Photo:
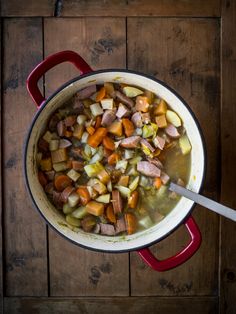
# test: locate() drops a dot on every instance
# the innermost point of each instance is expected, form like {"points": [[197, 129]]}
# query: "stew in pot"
{"points": [[107, 156]]}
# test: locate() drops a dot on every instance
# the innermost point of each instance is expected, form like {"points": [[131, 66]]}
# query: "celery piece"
{"points": [[94, 169], [173, 118], [134, 184], [131, 91], [73, 199], [74, 175], [105, 198], [124, 191], [67, 209], [79, 212], [185, 145], [145, 222], [73, 221], [96, 109]]}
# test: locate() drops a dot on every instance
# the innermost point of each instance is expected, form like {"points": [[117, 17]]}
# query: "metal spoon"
{"points": [[204, 201]]}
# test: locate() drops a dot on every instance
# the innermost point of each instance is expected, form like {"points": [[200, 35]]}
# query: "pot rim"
{"points": [[75, 79]]}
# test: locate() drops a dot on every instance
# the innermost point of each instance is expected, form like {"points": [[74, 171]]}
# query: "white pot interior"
{"points": [[118, 243]]}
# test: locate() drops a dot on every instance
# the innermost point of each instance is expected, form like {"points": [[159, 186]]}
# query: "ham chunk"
{"points": [[86, 92], [130, 142], [107, 229], [159, 142], [155, 161], [122, 111], [137, 119], [120, 225], [126, 100], [148, 169], [172, 131], [117, 202], [108, 117], [147, 144]]}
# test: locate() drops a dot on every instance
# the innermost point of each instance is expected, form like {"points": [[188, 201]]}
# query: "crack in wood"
{"points": [[58, 8]]}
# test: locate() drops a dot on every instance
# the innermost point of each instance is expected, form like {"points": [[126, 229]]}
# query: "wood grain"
{"points": [[81, 272], [129, 305], [122, 8], [27, 8], [185, 54], [1, 201], [228, 155], [25, 232]]}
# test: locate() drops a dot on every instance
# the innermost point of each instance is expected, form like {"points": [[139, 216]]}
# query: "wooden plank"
{"points": [[27, 8], [185, 54], [228, 154], [25, 232], [129, 305], [1, 203], [200, 8], [103, 46]]}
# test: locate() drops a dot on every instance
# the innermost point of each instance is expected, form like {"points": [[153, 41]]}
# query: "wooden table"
{"points": [[191, 46]]}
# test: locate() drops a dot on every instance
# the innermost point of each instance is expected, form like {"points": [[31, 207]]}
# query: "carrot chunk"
{"points": [[101, 94], [133, 200], [113, 158], [131, 223], [84, 195], [95, 208], [61, 182], [96, 139], [108, 143], [128, 127], [110, 214], [90, 130], [157, 182]]}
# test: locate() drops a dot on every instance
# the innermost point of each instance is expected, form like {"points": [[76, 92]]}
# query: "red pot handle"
{"points": [[47, 64], [180, 257]]}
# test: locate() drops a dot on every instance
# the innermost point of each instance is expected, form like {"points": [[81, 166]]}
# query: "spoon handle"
{"points": [[204, 201]]}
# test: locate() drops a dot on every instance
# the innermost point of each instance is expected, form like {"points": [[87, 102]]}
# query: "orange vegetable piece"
{"points": [[113, 158], [61, 182], [110, 214], [84, 195], [142, 104], [95, 208], [124, 180], [116, 128], [46, 164], [90, 130], [98, 122], [128, 127], [131, 223], [161, 108], [103, 176], [157, 183], [42, 178], [133, 199], [96, 139], [101, 94], [107, 152], [108, 143], [78, 131], [68, 133], [161, 121]]}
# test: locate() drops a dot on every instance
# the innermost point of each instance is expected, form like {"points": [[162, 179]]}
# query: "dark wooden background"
{"points": [[192, 46]]}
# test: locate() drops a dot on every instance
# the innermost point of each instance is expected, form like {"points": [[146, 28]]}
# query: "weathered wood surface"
{"points": [[130, 305], [1, 203], [82, 8], [185, 54], [83, 272], [228, 156], [24, 232]]}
